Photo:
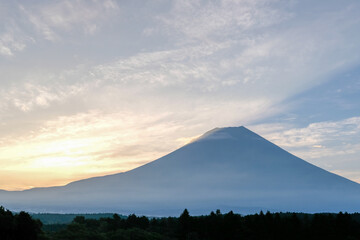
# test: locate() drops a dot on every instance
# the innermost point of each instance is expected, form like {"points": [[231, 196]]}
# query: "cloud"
{"points": [[332, 145], [5, 50], [316, 134], [176, 67], [12, 39], [51, 19], [30, 95], [220, 19]]}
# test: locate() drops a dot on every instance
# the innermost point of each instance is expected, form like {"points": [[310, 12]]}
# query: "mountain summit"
{"points": [[226, 168]]}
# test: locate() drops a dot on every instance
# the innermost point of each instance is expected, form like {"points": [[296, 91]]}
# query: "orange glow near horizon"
{"points": [[81, 146]]}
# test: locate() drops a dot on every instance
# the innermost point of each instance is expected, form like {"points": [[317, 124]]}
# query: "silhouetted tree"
{"points": [[184, 221], [26, 227]]}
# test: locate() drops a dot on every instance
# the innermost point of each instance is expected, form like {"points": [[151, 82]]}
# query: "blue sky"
{"points": [[96, 87]]}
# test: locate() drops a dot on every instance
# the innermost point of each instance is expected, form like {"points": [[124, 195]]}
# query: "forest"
{"points": [[216, 225]]}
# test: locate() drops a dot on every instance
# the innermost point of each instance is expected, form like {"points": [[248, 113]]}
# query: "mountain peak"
{"points": [[234, 133]]}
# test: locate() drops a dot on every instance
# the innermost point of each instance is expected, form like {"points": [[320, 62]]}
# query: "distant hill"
{"points": [[57, 218], [227, 168]]}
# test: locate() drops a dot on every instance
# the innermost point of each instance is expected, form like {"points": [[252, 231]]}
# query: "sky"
{"points": [[90, 88]]}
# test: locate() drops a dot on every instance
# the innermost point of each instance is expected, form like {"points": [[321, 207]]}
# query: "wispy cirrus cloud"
{"points": [[12, 37], [52, 20], [28, 96], [221, 19], [66, 16], [8, 44]]}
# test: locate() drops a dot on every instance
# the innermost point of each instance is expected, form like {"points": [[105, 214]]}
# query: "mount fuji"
{"points": [[226, 168]]}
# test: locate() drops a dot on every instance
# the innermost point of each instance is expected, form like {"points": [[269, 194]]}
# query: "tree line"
{"points": [[19, 226], [216, 225]]}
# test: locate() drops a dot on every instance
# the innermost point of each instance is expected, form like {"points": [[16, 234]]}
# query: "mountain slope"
{"points": [[227, 168]]}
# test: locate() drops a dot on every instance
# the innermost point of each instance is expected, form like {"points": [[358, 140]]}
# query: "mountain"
{"points": [[227, 168]]}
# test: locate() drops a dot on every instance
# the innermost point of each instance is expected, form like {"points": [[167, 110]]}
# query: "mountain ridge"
{"points": [[230, 168]]}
